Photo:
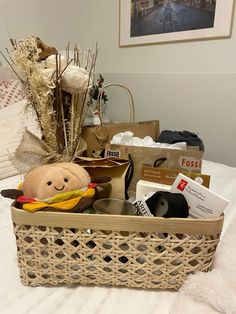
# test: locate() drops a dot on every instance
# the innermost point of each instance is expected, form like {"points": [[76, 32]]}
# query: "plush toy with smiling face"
{"points": [[62, 186], [48, 180]]}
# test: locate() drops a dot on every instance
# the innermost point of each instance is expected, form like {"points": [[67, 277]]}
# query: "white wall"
{"points": [[186, 85]]}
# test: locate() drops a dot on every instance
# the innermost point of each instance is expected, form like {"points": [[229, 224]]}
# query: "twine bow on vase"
{"points": [[33, 152]]}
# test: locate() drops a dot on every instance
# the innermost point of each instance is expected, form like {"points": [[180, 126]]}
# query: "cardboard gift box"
{"points": [[188, 159]]}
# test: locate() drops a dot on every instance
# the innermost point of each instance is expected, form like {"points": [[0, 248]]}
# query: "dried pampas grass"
{"points": [[57, 88]]}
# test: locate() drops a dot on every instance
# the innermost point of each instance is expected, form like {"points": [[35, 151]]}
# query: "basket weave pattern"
{"points": [[58, 255]]}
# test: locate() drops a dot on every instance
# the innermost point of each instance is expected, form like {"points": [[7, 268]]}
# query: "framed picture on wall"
{"points": [[162, 21]]}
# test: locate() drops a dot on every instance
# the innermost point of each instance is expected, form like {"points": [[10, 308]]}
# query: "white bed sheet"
{"points": [[16, 298]]}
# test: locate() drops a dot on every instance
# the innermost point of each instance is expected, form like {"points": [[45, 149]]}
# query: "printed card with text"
{"points": [[202, 202]]}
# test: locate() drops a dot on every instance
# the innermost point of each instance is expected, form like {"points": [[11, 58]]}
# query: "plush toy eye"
{"points": [[66, 180], [49, 183]]}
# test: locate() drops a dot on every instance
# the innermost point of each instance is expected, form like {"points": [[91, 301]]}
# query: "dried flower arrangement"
{"points": [[59, 90]]}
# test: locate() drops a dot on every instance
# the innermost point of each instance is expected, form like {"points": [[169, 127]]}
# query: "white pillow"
{"points": [[13, 120]]}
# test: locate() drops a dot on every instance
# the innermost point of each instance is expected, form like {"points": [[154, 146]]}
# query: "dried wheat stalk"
{"points": [[60, 107]]}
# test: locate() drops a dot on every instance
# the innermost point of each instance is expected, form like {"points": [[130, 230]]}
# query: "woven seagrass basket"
{"points": [[143, 252]]}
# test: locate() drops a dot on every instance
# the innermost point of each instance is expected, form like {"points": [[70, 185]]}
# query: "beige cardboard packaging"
{"points": [[143, 188], [189, 160]]}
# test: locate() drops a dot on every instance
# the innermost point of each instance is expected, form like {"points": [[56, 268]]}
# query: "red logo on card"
{"points": [[182, 185]]}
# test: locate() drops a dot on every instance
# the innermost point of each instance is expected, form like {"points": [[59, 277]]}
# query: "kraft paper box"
{"points": [[112, 167], [202, 202], [189, 160]]}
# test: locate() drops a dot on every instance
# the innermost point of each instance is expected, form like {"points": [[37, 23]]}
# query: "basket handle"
{"points": [[101, 131], [131, 100]]}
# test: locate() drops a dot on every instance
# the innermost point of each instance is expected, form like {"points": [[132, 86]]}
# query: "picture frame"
{"points": [[164, 21]]}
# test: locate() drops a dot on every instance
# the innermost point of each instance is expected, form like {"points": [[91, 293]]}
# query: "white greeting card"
{"points": [[202, 202]]}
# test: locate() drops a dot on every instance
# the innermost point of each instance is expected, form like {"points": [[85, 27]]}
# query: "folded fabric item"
{"points": [[171, 137]]}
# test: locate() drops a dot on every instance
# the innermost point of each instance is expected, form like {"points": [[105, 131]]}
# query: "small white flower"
{"points": [[48, 77], [75, 79], [50, 62]]}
